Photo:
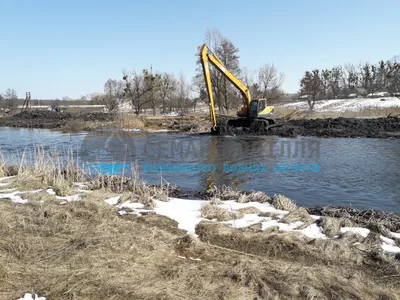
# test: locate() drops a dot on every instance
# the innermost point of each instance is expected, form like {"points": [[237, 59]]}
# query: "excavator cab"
{"points": [[256, 107]]}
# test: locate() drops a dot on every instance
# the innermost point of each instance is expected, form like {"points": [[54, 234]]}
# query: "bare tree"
{"points": [[270, 82], [113, 94], [312, 86], [137, 86], [392, 81], [166, 88], [182, 94], [349, 78], [224, 93], [248, 78], [365, 77], [229, 55], [10, 97]]}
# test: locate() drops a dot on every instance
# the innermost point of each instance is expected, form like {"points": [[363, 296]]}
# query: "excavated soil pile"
{"points": [[49, 119], [373, 219], [341, 127], [337, 127]]}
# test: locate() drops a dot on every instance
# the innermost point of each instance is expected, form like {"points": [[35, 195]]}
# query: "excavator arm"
{"points": [[206, 57]]}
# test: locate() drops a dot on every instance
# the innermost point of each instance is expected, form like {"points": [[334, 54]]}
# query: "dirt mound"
{"points": [[375, 220], [299, 214], [49, 119], [330, 127], [340, 127]]}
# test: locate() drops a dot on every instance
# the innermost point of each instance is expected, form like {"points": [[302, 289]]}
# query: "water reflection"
{"points": [[362, 172]]}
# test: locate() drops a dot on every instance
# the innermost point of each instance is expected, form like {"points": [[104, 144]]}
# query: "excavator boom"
{"points": [[206, 57], [254, 113]]}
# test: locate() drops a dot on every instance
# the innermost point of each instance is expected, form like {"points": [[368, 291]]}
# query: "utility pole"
{"points": [[26, 102]]}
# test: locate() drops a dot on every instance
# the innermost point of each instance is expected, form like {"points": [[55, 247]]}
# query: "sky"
{"points": [[70, 48]]}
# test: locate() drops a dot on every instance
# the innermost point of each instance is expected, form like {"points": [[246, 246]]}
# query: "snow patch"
{"points": [[70, 198], [390, 248], [191, 258], [185, 212], [7, 190], [131, 129], [387, 241], [395, 235], [14, 197], [130, 205], [29, 296], [188, 215], [342, 105], [50, 192], [6, 177], [113, 200], [358, 230]]}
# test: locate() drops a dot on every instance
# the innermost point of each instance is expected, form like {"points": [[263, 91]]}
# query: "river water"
{"points": [[363, 173]]}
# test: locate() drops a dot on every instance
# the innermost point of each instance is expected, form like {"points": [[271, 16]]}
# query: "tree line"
{"points": [[351, 80], [159, 92], [165, 93]]}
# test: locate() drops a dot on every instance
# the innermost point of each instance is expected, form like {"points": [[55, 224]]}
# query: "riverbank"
{"points": [[88, 121], [66, 235], [388, 127]]}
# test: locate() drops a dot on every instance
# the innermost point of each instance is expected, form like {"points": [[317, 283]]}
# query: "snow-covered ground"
{"points": [[342, 105], [188, 214]]}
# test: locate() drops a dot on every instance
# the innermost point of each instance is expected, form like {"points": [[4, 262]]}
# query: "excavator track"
{"points": [[255, 126]]}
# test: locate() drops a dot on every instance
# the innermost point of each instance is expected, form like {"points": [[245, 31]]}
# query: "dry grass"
{"points": [[299, 214], [288, 113], [331, 226], [249, 210], [214, 212], [135, 189], [42, 170], [77, 125], [229, 193], [260, 197], [84, 250], [283, 203], [129, 121], [296, 267]]}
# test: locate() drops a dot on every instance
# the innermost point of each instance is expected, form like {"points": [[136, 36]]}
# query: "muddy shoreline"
{"points": [[331, 127]]}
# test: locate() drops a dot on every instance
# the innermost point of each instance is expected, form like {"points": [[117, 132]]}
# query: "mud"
{"points": [[373, 219], [332, 127], [50, 120]]}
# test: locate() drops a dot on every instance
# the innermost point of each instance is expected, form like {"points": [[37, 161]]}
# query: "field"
{"points": [[346, 108]]}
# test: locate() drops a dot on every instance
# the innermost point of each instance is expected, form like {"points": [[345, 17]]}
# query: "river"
{"points": [[363, 173]]}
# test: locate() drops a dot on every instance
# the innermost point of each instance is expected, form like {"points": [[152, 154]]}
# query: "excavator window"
{"points": [[253, 109], [261, 105]]}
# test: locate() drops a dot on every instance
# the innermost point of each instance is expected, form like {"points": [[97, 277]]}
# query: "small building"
{"points": [[357, 93], [303, 97]]}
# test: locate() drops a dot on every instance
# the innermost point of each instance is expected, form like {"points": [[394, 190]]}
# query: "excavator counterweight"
{"points": [[254, 114]]}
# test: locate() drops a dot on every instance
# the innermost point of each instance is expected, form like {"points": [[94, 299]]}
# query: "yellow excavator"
{"points": [[254, 114]]}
